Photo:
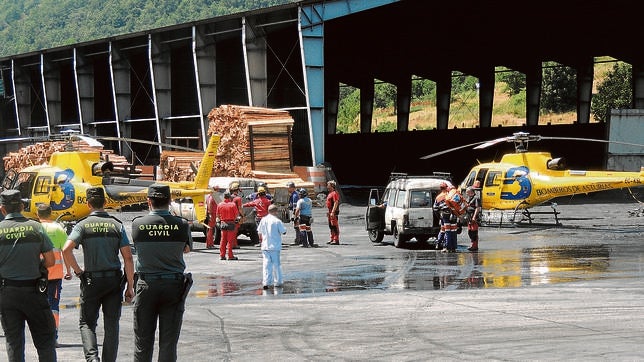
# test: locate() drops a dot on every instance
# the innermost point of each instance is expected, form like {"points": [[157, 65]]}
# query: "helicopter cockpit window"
{"points": [[9, 178], [42, 185], [470, 178], [24, 183], [492, 178]]}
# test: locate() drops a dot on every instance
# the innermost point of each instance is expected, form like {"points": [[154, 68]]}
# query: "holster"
{"points": [[187, 284], [41, 286]]}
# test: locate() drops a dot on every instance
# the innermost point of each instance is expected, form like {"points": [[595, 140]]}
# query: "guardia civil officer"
{"points": [[160, 239], [22, 241], [102, 237]]}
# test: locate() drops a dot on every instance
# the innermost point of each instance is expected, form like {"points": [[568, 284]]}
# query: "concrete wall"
{"points": [[626, 125]]}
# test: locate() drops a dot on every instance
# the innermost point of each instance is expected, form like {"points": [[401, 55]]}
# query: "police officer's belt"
{"points": [[19, 283], [172, 276], [103, 274]]}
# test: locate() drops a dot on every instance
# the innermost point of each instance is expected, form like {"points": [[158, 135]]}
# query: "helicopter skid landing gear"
{"points": [[529, 215]]}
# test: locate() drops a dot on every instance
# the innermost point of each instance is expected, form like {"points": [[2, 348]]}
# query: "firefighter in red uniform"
{"points": [[227, 217], [333, 205], [261, 204]]}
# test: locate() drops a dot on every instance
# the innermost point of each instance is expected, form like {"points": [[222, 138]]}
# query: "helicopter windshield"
{"points": [[9, 179], [24, 183]]}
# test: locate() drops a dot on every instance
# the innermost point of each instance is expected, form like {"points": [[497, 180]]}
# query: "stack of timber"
{"points": [[255, 143], [252, 138], [178, 166], [39, 153]]}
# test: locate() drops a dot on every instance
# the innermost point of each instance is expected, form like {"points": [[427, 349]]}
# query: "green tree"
{"points": [[514, 81], [614, 92], [463, 83], [559, 88], [348, 110], [384, 95], [422, 89]]}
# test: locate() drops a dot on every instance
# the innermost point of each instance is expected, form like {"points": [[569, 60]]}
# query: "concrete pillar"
{"points": [[332, 96], [585, 73], [366, 105], [486, 98], [403, 103], [533, 78], [443, 100]]}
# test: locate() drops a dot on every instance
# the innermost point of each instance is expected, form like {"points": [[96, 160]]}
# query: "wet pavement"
{"points": [[535, 292]]}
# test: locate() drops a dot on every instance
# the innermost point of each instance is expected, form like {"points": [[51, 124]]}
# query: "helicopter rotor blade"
{"points": [[487, 144], [591, 140], [135, 140], [92, 142], [451, 150]]}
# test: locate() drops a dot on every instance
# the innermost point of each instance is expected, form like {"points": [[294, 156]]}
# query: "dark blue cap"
{"points": [[159, 191]]}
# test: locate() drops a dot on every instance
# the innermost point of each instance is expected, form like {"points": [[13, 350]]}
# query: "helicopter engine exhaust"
{"points": [[557, 164], [102, 168]]}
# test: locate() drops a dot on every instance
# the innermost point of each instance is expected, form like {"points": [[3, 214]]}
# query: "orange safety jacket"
{"points": [[56, 271]]}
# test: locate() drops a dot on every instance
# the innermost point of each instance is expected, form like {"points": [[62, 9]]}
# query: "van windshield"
{"points": [[420, 198]]}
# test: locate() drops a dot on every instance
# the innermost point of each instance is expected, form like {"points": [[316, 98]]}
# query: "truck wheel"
{"points": [[376, 236]]}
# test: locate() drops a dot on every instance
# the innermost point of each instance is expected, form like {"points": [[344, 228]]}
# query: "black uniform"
{"points": [[21, 242], [102, 237], [161, 288]]}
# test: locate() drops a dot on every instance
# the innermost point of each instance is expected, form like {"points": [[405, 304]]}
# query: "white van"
{"points": [[405, 209]]}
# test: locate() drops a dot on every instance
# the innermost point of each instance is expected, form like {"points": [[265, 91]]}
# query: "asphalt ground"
{"points": [[535, 292]]}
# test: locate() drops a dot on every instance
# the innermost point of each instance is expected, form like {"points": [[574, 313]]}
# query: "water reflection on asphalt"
{"points": [[433, 270]]}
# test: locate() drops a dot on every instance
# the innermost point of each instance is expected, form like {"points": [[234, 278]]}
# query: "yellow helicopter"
{"points": [[62, 183], [523, 179]]}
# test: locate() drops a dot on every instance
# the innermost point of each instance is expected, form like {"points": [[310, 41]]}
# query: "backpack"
{"points": [[456, 202]]}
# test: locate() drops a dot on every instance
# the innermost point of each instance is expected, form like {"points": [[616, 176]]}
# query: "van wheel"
{"points": [[399, 240], [376, 236]]}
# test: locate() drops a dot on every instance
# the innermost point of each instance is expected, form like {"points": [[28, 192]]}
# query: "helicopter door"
{"points": [[492, 185], [375, 217], [480, 177]]}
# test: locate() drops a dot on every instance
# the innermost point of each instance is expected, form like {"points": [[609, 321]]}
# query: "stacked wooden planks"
{"points": [[252, 138], [178, 166]]}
